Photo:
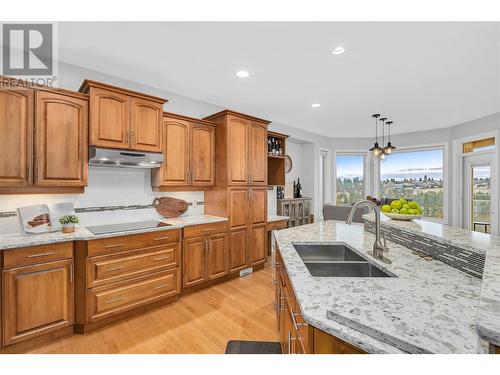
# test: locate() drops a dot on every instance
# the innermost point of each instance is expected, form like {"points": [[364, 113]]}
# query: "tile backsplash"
{"points": [[112, 194]]}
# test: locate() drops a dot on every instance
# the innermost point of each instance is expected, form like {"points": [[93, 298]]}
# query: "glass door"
{"points": [[478, 208]]}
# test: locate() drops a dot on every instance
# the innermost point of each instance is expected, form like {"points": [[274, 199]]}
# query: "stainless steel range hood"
{"points": [[109, 157]]}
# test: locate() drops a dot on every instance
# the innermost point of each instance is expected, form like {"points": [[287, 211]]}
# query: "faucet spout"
{"points": [[379, 246]]}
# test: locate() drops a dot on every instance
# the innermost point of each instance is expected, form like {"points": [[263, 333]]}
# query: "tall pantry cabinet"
{"points": [[240, 192]]}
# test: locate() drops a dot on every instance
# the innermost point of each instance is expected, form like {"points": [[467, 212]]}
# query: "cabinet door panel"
{"points": [[194, 266], [238, 207], [237, 164], [175, 141], [258, 244], [237, 249], [16, 129], [257, 160], [217, 256], [37, 300], [202, 155], [258, 205], [61, 140], [146, 118], [110, 119]]}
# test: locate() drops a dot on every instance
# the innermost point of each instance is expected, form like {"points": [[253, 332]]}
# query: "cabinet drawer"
{"points": [[205, 229], [112, 301], [277, 225], [107, 269], [27, 256], [131, 242]]}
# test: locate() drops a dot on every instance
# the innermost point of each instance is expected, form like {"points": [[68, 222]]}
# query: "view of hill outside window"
{"points": [[350, 178], [481, 198], [415, 175]]}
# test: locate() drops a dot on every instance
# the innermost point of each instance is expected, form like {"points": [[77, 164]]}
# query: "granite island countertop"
{"points": [[488, 316], [428, 308], [15, 240]]}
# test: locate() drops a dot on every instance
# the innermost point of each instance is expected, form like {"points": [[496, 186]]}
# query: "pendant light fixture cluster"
{"points": [[382, 152]]}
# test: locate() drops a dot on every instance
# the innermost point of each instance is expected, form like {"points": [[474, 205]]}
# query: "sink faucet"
{"points": [[379, 246]]}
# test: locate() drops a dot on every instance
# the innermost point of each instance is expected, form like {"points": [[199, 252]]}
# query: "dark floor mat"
{"points": [[252, 347]]}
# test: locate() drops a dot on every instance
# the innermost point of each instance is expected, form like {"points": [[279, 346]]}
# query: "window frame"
{"points": [[366, 170], [446, 171]]}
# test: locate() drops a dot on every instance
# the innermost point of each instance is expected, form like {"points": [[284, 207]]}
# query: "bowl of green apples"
{"points": [[401, 209]]}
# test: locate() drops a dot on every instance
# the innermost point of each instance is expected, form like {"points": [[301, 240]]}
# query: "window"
{"points": [[487, 144], [350, 174], [416, 175]]}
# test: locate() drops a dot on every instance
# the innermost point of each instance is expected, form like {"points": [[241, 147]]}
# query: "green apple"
{"points": [[413, 211], [406, 205], [403, 201], [386, 208], [395, 211], [413, 204], [404, 211], [396, 205]]}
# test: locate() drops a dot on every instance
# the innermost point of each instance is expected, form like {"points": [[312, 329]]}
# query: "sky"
{"points": [[399, 165]]}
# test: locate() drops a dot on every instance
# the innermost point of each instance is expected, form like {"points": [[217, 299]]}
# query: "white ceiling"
{"points": [[421, 75]]}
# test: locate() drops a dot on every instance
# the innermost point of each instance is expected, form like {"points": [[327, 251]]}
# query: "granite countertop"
{"points": [[488, 316], [14, 240], [428, 308], [272, 218]]}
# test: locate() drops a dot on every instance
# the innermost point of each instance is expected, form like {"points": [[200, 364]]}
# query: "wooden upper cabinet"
{"points": [[124, 119], [145, 124], [37, 300], [16, 131], [237, 143], [61, 140], [188, 145], [109, 119], [257, 158], [202, 158], [175, 169]]}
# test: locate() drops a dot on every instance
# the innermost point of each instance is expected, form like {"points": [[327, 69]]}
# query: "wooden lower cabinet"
{"points": [[258, 244], [118, 275], [238, 239], [37, 300], [115, 299], [296, 336], [205, 257]]}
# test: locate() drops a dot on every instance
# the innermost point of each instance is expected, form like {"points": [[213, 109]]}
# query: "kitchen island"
{"points": [[426, 307]]}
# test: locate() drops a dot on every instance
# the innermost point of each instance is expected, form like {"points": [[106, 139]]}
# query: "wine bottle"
{"points": [[299, 189]]}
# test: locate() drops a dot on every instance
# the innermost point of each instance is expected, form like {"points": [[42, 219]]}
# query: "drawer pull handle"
{"points": [[160, 258], [114, 300], [40, 255], [160, 286], [114, 269], [116, 245], [162, 238], [297, 325]]}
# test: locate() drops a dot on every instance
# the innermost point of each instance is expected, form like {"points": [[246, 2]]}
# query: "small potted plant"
{"points": [[68, 223]]}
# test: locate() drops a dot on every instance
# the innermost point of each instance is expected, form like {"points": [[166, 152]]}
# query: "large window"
{"points": [[417, 175], [350, 174]]}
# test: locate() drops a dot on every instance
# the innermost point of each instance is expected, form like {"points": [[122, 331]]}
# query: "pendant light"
{"points": [[376, 149], [389, 148]]}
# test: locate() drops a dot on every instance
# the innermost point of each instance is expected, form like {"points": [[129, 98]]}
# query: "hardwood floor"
{"points": [[201, 322]]}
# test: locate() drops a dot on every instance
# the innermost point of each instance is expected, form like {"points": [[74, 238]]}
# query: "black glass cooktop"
{"points": [[125, 227]]}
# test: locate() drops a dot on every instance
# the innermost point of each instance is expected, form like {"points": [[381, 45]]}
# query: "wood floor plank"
{"points": [[200, 322]]}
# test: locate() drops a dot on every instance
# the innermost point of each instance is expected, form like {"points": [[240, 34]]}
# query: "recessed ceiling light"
{"points": [[339, 50], [315, 105], [242, 74]]}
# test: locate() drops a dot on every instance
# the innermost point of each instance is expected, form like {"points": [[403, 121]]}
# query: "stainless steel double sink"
{"points": [[336, 260]]}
